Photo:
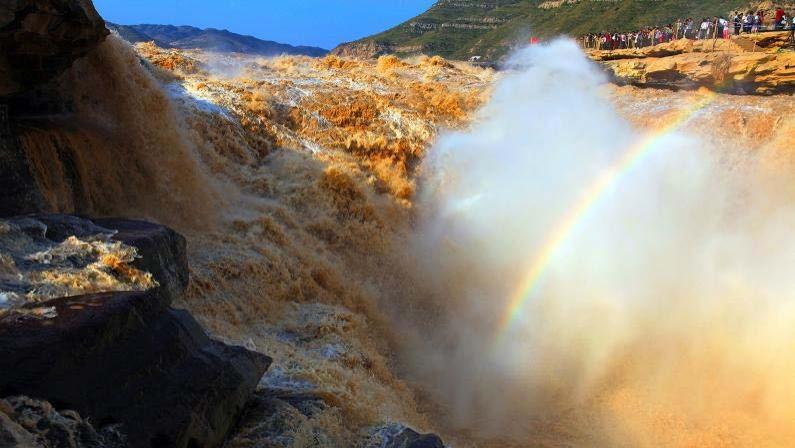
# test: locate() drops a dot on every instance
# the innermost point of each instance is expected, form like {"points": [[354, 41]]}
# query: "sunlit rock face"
{"points": [[748, 64], [40, 39]]}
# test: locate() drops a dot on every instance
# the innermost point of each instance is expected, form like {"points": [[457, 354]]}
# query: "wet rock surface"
{"points": [[162, 251], [396, 435], [126, 357], [29, 423], [20, 195], [271, 418], [41, 39], [49, 256]]}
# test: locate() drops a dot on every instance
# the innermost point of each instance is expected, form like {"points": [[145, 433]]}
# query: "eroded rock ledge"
{"points": [[758, 64], [128, 358]]}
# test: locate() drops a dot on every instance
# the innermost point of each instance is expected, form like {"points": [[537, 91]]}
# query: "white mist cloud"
{"points": [[665, 317]]}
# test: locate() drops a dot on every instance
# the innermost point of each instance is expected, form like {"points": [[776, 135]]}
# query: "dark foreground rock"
{"points": [[30, 423], [396, 435], [128, 358], [271, 418], [163, 251], [41, 39]]}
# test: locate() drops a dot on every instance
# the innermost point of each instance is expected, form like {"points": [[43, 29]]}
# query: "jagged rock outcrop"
{"points": [[272, 415], [739, 65], [41, 39], [128, 358], [363, 50], [29, 423], [396, 435], [743, 73]]}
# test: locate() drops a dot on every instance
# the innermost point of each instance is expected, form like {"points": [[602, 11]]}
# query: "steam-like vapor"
{"points": [[664, 316]]}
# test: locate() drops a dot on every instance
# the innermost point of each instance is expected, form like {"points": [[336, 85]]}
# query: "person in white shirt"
{"points": [[704, 29], [748, 22]]}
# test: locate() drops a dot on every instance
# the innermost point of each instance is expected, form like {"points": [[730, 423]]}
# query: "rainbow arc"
{"points": [[591, 197]]}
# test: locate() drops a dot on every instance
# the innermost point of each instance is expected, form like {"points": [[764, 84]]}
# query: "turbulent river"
{"points": [[530, 258]]}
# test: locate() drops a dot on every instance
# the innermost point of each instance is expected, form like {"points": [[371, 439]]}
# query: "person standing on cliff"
{"points": [[791, 40], [737, 23], [778, 25]]}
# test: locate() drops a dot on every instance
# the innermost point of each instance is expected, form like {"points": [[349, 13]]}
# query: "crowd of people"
{"points": [[706, 28]]}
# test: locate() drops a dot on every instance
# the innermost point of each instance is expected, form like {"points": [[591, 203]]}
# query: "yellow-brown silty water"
{"points": [[297, 182]]}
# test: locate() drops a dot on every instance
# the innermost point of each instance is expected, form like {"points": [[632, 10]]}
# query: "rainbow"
{"points": [[587, 202]]}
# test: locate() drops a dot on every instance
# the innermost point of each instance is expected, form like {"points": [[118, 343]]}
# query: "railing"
{"points": [[651, 38]]}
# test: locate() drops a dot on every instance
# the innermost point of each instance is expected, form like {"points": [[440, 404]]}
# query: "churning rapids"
{"points": [[567, 263]]}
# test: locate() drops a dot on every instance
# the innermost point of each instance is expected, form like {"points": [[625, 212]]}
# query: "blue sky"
{"points": [[322, 23]]}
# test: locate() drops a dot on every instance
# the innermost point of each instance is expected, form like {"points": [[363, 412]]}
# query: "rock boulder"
{"points": [[29, 423], [39, 39], [127, 358]]}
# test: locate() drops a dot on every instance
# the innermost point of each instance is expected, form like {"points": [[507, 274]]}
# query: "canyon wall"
{"points": [[756, 64]]}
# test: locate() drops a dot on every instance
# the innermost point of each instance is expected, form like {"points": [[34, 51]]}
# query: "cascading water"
{"points": [[125, 150], [288, 250], [572, 279]]}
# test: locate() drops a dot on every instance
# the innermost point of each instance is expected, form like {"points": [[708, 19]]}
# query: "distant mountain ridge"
{"points": [[210, 39], [460, 29]]}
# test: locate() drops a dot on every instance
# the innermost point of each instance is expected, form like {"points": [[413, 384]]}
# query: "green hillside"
{"points": [[459, 29]]}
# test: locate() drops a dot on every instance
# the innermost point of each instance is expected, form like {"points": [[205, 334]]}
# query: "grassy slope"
{"points": [[522, 16]]}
